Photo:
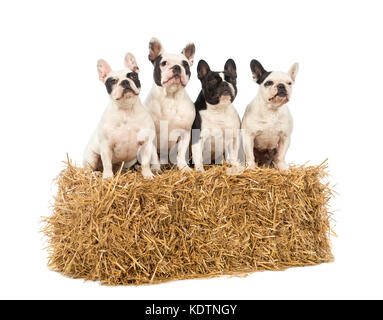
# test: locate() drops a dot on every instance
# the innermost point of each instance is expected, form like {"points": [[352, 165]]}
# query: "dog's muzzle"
{"points": [[127, 88]]}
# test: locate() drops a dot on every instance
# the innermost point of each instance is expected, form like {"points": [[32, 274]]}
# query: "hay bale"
{"points": [[187, 225]]}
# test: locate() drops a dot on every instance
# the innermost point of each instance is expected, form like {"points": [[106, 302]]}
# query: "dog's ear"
{"points": [[155, 49], [189, 52], [202, 69], [294, 71], [130, 62], [103, 69], [259, 73], [231, 68]]}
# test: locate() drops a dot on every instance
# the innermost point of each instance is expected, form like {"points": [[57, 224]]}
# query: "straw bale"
{"points": [[182, 225]]}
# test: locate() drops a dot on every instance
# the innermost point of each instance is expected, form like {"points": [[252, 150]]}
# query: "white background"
{"points": [[51, 100]]}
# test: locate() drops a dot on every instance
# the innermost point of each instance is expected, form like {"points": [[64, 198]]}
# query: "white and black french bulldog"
{"points": [[168, 102], [126, 132], [217, 123], [267, 123]]}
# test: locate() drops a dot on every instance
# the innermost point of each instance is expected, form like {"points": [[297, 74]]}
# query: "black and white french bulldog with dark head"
{"points": [[267, 123], [217, 123], [168, 102], [126, 130]]}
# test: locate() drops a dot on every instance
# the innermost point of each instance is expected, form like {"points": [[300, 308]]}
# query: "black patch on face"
{"points": [[186, 66], [134, 76], [109, 84], [213, 87], [157, 71]]}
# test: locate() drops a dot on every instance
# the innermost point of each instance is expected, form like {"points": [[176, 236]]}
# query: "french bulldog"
{"points": [[217, 123], [267, 123], [126, 132], [168, 102]]}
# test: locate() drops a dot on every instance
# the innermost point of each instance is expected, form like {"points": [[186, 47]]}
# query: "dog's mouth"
{"points": [[226, 94], [280, 96], [127, 92], [175, 79]]}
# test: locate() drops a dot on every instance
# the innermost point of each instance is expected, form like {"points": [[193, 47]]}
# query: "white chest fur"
{"points": [[221, 117], [173, 114], [175, 108], [267, 126]]}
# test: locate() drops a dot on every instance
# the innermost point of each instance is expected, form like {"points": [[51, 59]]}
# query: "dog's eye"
{"points": [[163, 63], [289, 83], [269, 83], [132, 75]]}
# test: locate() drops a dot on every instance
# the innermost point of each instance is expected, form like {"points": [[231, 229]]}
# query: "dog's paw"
{"points": [[251, 166], [282, 166], [199, 168], [107, 175], [235, 170], [147, 174], [156, 168]]}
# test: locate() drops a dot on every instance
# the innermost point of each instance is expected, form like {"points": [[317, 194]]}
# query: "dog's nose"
{"points": [[176, 69], [125, 84], [281, 87]]}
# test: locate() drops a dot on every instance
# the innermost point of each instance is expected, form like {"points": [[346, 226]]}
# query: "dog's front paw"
{"points": [[235, 169], [251, 166], [199, 168], [147, 174], [156, 168], [107, 175], [282, 166]]}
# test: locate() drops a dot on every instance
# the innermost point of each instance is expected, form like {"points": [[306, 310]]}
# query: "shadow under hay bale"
{"points": [[187, 225]]}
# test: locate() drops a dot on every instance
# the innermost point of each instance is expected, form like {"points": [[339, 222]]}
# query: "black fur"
{"points": [[200, 104], [109, 84], [259, 73], [134, 76], [185, 64], [157, 70]]}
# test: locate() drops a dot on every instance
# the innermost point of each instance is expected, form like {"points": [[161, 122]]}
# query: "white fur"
{"points": [[176, 111], [267, 123]]}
